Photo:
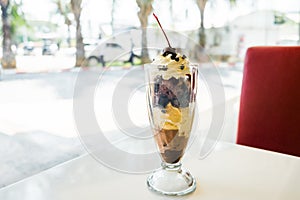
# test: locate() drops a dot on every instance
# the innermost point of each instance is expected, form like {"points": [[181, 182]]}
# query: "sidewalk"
{"points": [[37, 107]]}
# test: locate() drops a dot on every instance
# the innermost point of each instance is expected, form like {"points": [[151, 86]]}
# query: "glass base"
{"points": [[171, 179]]}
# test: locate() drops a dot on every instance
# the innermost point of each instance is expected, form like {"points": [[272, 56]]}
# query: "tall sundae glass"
{"points": [[171, 93]]}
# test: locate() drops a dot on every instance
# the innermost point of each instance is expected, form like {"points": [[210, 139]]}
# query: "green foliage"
{"points": [[17, 20]]}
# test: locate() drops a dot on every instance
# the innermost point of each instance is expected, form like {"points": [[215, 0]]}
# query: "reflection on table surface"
{"points": [[230, 172]]}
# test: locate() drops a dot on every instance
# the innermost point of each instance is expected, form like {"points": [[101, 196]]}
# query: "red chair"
{"points": [[269, 115]]}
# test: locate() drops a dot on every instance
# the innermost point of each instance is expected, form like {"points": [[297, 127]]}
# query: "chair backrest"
{"points": [[269, 115]]}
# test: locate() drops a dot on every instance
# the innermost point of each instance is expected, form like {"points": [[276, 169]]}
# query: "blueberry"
{"points": [[156, 87], [174, 81], [175, 102], [163, 100]]}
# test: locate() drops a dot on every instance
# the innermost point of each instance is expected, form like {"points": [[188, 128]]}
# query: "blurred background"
{"points": [[45, 43], [65, 28]]}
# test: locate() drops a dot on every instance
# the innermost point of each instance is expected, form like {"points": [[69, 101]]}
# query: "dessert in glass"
{"points": [[171, 93]]}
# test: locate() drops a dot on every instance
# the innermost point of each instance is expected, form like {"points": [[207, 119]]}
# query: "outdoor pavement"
{"points": [[37, 128]]}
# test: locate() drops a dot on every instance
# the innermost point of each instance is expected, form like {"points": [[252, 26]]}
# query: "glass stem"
{"points": [[171, 167]]}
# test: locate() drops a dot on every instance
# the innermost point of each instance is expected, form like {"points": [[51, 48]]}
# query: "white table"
{"points": [[230, 172]]}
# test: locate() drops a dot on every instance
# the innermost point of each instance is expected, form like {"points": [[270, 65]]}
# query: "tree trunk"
{"points": [[202, 35], [69, 36], [8, 58], [145, 55], [171, 12], [64, 12], [145, 10], [112, 22], [80, 53]]}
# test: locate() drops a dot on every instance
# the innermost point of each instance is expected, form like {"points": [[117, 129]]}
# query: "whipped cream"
{"points": [[175, 65]]}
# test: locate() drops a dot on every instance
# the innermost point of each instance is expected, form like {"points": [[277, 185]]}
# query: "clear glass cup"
{"points": [[171, 101]]}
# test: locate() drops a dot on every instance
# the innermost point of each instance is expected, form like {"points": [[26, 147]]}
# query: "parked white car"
{"points": [[108, 52]]}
